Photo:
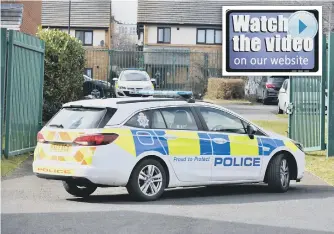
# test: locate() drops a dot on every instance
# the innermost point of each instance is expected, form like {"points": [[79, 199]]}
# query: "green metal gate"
{"points": [[307, 108], [24, 92], [172, 68]]}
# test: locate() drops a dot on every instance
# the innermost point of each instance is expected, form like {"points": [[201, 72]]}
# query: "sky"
{"points": [[125, 11]]}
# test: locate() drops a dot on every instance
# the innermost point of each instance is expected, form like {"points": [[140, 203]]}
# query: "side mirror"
{"points": [[115, 79], [153, 80], [251, 130]]}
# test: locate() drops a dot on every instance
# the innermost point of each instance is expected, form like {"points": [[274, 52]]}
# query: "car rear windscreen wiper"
{"points": [[56, 125]]}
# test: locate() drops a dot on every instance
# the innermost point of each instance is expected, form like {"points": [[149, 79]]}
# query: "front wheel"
{"points": [[279, 174], [147, 181], [78, 190], [279, 111]]}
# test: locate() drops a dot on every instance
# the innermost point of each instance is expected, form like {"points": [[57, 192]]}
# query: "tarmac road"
{"points": [[33, 205], [255, 111]]}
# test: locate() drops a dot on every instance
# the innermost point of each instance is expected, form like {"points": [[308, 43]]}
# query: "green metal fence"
{"points": [[309, 104], [24, 92], [173, 69]]}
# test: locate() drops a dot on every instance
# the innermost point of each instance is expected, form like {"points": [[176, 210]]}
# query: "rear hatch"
{"points": [[73, 134]]}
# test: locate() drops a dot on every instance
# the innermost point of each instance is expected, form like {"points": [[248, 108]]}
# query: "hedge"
{"points": [[221, 88], [63, 70]]}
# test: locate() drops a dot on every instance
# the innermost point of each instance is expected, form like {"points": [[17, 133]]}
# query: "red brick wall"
{"points": [[32, 15]]}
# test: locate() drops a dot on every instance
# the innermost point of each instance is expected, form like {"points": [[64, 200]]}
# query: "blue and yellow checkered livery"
{"points": [[192, 143]]}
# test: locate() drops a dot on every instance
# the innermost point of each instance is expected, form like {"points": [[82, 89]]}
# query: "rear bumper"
{"points": [[52, 170]]}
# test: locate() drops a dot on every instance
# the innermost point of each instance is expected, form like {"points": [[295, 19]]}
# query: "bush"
{"points": [[63, 70], [220, 88]]}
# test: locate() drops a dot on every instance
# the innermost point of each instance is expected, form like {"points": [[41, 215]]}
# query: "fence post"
{"points": [[40, 117], [330, 93], [2, 84], [8, 88], [323, 96]]}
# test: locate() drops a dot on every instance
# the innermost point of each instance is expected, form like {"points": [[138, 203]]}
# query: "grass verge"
{"points": [[10, 164], [232, 101], [316, 162]]}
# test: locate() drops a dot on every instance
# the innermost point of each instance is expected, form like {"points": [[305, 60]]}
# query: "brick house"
{"points": [[23, 16], [90, 22], [196, 25]]}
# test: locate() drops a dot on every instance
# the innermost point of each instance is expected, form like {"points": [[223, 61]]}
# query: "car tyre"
{"points": [[278, 175], [79, 191], [279, 111], [265, 101], [147, 181]]}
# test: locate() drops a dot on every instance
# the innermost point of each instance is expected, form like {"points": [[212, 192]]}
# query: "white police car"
{"points": [[149, 144]]}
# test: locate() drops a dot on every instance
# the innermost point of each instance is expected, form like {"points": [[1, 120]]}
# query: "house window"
{"points": [[209, 36], [163, 35], [86, 37], [89, 72]]}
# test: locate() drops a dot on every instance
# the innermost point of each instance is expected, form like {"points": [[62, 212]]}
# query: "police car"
{"points": [[148, 144]]}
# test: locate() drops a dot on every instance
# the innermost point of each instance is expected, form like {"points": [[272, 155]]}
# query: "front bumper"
{"points": [[127, 93]]}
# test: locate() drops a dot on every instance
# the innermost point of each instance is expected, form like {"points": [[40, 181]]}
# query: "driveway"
{"points": [[32, 205], [255, 111]]}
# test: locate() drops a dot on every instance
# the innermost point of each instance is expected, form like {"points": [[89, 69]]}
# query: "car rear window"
{"points": [[278, 80], [81, 118]]}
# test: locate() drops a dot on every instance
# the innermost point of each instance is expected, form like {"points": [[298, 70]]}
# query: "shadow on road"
{"points": [[131, 222], [222, 195]]}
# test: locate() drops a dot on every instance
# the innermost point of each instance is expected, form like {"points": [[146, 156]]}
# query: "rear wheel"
{"points": [[147, 181], [279, 174], [78, 190]]}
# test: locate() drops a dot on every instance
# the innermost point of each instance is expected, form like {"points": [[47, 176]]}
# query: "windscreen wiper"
{"points": [[56, 125]]}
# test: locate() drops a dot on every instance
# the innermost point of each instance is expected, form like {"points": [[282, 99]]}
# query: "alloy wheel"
{"points": [[150, 180], [284, 173]]}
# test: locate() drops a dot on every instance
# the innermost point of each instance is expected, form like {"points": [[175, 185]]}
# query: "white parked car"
{"points": [[130, 81], [148, 144], [312, 96]]}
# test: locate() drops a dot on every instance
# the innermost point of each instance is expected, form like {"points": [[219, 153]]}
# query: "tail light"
{"points": [[96, 139], [270, 86], [40, 138]]}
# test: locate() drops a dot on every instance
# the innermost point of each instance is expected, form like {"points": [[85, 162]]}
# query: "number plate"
{"points": [[60, 148]]}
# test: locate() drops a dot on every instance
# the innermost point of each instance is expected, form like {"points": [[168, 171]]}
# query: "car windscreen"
{"points": [[134, 76], [81, 118]]}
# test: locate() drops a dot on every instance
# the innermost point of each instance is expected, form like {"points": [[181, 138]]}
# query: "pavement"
{"points": [[33, 205]]}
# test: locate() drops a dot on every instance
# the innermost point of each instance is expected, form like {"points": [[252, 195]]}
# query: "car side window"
{"points": [[180, 118], [220, 121], [158, 121], [285, 84], [140, 120]]}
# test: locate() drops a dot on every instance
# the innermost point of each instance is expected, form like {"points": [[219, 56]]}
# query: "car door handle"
{"points": [[170, 137], [219, 141]]}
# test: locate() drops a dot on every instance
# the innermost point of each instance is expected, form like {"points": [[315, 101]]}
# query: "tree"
{"points": [[63, 70], [122, 41]]}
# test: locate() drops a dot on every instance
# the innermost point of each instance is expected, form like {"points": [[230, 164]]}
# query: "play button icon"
{"points": [[302, 24]]}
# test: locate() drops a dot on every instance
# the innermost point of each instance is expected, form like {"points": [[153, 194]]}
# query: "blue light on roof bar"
{"points": [[163, 93]]}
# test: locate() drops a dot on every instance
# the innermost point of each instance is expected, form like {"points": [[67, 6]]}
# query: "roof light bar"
{"points": [[167, 93]]}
